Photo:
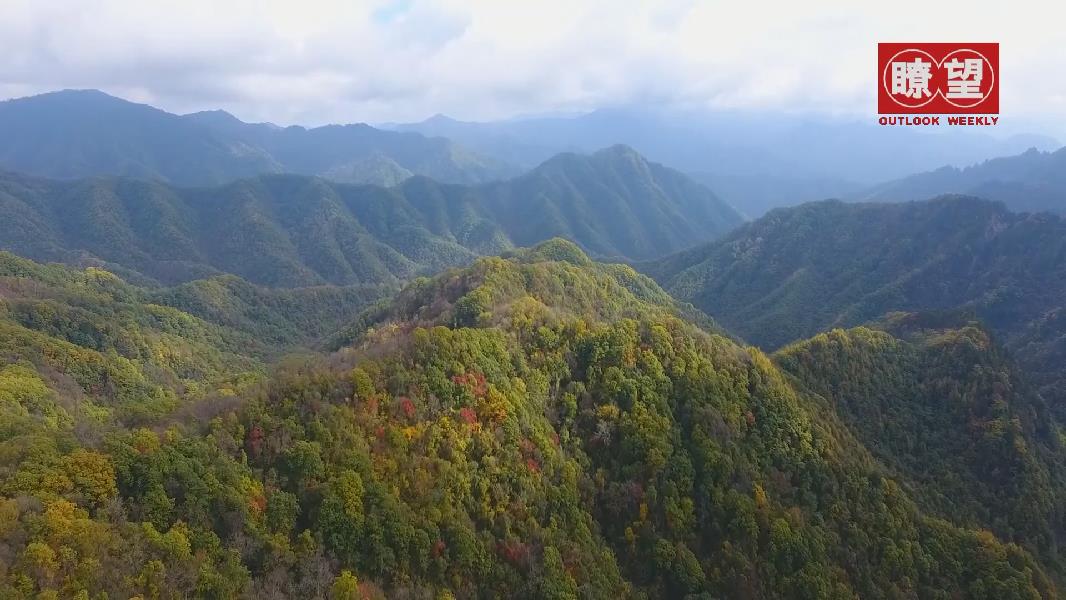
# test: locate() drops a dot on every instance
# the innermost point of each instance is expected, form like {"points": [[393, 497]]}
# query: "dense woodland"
{"points": [[301, 385], [800, 271], [536, 425], [292, 230], [946, 409]]}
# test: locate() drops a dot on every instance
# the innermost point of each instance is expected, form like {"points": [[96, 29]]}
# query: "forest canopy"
{"points": [[537, 425]]}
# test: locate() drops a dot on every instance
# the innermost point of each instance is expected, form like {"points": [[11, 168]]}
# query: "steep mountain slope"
{"points": [[539, 426], [614, 203], [376, 168], [73, 134], [563, 433], [828, 264], [1029, 182], [286, 230], [86, 346], [944, 407], [105, 349], [93, 371], [279, 320], [96, 309]]}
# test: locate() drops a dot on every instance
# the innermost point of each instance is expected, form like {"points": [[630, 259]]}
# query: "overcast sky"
{"points": [[320, 61]]}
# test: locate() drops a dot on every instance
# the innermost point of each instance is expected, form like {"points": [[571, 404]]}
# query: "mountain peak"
{"points": [[439, 119], [78, 93], [615, 153], [620, 151], [83, 106], [556, 249], [71, 95], [214, 117]]}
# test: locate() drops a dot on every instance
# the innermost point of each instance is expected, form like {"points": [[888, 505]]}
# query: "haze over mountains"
{"points": [[755, 161], [255, 378], [291, 230], [1033, 181], [81, 133]]}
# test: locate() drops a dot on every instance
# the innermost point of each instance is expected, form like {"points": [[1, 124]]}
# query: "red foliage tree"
{"points": [[407, 406], [438, 548], [514, 552], [253, 442], [473, 380]]}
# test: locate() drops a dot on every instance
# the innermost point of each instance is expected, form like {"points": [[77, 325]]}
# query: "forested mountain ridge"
{"points": [[540, 425], [936, 399], [802, 270], [642, 455], [90, 340], [131, 352], [614, 203], [246, 321], [92, 372], [290, 230], [1029, 182], [534, 424], [85, 133]]}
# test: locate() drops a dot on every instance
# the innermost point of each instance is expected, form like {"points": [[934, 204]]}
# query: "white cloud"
{"points": [[321, 61]]}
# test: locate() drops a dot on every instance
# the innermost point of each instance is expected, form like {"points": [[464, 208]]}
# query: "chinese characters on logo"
{"points": [[964, 78], [911, 78], [938, 79]]}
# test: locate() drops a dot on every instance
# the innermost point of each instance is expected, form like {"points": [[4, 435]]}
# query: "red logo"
{"points": [[938, 78]]}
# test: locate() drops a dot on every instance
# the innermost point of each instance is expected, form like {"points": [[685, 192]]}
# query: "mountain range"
{"points": [[798, 271], [755, 161], [83, 133], [1029, 182], [251, 373], [291, 230], [538, 425]]}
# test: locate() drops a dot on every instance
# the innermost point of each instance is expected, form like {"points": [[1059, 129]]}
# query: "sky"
{"points": [[332, 61]]}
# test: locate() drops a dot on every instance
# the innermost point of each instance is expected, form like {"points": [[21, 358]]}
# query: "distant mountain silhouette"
{"points": [[1029, 182], [84, 133], [755, 161]]}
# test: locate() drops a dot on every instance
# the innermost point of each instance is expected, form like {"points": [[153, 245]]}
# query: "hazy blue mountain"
{"points": [[84, 133], [1028, 182], [294, 230], [74, 134], [764, 160]]}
